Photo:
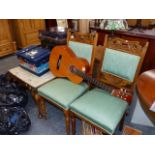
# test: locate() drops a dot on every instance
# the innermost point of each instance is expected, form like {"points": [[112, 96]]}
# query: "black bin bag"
{"points": [[13, 98], [13, 121], [11, 93]]}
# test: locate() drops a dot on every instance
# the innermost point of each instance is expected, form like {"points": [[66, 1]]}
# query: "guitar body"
{"points": [[62, 58]]}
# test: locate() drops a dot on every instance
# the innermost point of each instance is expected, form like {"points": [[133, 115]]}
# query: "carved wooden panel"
{"points": [[133, 47], [87, 38], [114, 80]]}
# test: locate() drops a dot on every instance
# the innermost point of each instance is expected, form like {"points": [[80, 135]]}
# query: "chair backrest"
{"points": [[121, 61], [83, 45]]}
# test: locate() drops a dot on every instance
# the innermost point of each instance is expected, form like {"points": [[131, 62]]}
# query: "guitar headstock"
{"points": [[124, 94]]}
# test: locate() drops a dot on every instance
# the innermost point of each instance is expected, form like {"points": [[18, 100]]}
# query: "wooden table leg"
{"points": [[41, 105]]}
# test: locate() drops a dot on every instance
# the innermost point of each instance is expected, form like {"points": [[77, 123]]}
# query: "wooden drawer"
{"points": [[8, 48]]}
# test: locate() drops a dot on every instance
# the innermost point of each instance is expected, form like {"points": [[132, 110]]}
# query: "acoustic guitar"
{"points": [[64, 63], [62, 58]]}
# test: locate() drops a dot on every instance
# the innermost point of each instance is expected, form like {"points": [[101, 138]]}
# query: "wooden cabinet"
{"points": [[26, 31], [7, 45], [141, 23]]}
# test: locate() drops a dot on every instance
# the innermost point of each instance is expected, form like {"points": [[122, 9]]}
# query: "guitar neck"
{"points": [[93, 81]]}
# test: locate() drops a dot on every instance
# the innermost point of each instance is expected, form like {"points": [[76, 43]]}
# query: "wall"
{"points": [[84, 25]]}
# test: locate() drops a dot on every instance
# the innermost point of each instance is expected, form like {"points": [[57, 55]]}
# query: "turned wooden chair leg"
{"points": [[93, 129], [41, 106], [73, 119], [67, 119]]}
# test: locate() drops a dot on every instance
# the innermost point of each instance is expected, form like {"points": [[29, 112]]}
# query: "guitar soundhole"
{"points": [[59, 61]]}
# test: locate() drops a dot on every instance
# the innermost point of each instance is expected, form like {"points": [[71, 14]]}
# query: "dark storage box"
{"points": [[34, 59], [55, 32], [53, 36]]}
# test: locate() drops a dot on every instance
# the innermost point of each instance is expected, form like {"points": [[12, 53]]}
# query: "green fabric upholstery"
{"points": [[100, 108], [62, 91], [120, 64], [81, 49]]}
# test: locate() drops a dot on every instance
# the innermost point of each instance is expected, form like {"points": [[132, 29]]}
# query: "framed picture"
{"points": [[62, 23]]}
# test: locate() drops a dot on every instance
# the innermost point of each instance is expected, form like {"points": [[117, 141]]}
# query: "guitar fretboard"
{"points": [[92, 80]]}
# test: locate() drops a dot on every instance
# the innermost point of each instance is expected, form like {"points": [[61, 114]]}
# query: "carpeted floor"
{"points": [[55, 124], [7, 62]]}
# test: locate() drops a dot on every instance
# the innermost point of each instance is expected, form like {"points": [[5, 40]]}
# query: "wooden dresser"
{"points": [[7, 45], [25, 31]]}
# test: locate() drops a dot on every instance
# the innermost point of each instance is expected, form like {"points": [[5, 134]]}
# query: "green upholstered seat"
{"points": [[81, 49], [100, 108], [120, 64], [62, 91]]}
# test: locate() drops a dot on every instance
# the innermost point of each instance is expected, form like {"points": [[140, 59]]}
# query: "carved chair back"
{"points": [[121, 60], [83, 45]]}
